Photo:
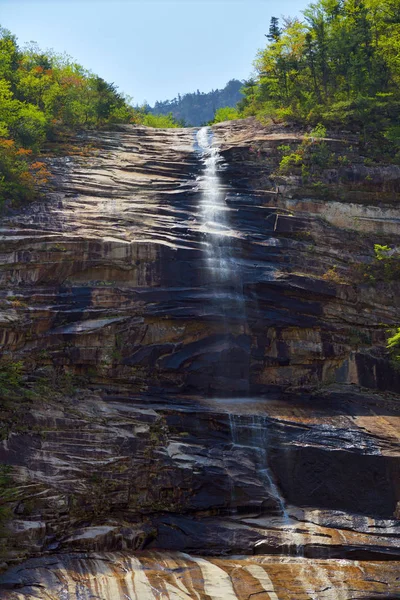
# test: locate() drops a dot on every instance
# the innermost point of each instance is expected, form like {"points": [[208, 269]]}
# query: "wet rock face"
{"points": [[184, 410], [178, 576], [206, 476], [110, 276]]}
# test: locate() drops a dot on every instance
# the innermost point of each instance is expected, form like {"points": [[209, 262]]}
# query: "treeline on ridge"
{"points": [[339, 66], [198, 107]]}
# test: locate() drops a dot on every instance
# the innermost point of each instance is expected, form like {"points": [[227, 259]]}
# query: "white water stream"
{"points": [[251, 431], [225, 279], [214, 218], [222, 272]]}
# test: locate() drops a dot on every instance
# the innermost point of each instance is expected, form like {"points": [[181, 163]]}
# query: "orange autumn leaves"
{"points": [[39, 173], [20, 178]]}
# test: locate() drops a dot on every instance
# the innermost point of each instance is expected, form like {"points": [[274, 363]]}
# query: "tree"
{"points": [[341, 61], [274, 30], [43, 94], [225, 114]]}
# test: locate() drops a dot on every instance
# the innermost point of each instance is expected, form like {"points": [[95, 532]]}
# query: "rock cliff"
{"points": [[179, 408]]}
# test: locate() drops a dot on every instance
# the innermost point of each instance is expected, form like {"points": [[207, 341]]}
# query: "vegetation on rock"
{"points": [[309, 157], [338, 66], [43, 97], [6, 495], [385, 266], [394, 347]]}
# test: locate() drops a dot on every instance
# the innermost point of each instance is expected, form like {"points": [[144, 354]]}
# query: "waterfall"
{"points": [[222, 277], [222, 273], [213, 209], [224, 281], [251, 431]]}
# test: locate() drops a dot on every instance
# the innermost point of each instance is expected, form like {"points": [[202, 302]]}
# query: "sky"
{"points": [[152, 49]]}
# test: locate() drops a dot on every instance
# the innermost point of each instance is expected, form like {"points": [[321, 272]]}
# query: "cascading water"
{"points": [[251, 432], [225, 283], [222, 273], [213, 210], [222, 280]]}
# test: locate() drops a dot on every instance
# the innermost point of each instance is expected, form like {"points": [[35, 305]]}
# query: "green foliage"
{"points": [[16, 181], [387, 263], [284, 149], [275, 31], [289, 162], [394, 341], [385, 266], [382, 252], [308, 159], [338, 67], [319, 131], [225, 114], [11, 377], [161, 121], [393, 345], [44, 96], [393, 134]]}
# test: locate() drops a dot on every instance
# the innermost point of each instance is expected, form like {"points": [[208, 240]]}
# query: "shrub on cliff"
{"points": [[7, 492], [393, 345], [20, 177], [308, 158]]}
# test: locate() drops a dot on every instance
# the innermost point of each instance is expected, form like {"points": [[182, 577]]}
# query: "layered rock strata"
{"points": [[151, 576], [156, 415]]}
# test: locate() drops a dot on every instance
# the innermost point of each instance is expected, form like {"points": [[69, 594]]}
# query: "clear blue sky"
{"points": [[151, 49]]}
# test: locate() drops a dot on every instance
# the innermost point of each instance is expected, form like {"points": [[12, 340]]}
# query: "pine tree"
{"points": [[274, 30]]}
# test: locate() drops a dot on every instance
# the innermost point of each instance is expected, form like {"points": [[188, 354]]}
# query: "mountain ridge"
{"points": [[198, 108]]}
